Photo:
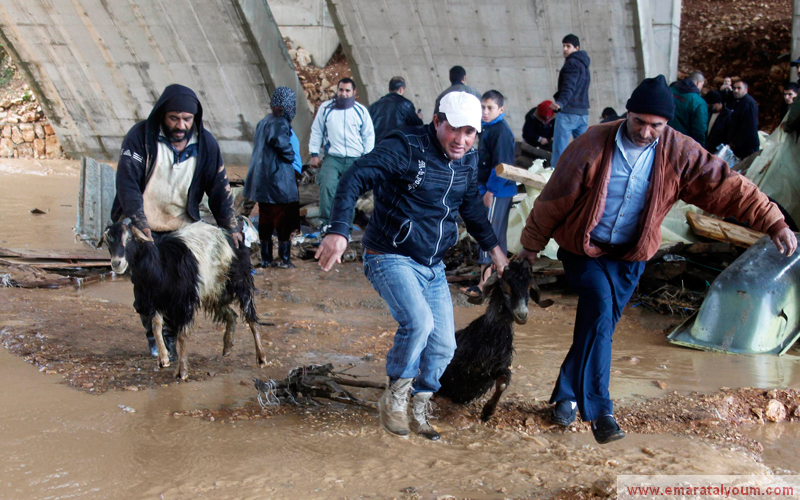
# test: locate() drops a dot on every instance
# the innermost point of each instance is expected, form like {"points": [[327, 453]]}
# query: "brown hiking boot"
{"points": [[421, 410], [393, 406]]}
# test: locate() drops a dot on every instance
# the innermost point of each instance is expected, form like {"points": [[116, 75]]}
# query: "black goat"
{"points": [[196, 266], [485, 347]]}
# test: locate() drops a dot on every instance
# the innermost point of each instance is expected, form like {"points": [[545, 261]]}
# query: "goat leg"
{"points": [[261, 357], [158, 333], [182, 370], [230, 328], [500, 385]]}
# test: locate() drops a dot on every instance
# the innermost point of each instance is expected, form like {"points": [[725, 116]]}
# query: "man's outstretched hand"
{"points": [[786, 241], [330, 251]]}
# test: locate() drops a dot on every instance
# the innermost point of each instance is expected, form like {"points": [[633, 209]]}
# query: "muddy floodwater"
{"points": [[85, 413]]}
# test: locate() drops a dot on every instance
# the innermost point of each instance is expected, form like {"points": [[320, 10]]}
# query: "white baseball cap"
{"points": [[462, 109]]}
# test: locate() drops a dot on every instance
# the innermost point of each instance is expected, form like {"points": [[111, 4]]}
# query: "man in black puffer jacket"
{"points": [[572, 98], [422, 177], [166, 165], [393, 111]]}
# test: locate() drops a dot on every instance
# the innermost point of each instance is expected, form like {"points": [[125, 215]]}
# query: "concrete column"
{"points": [[277, 67], [308, 23], [658, 34]]}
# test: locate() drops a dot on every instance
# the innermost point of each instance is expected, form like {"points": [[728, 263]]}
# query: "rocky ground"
{"points": [[749, 39], [24, 129]]}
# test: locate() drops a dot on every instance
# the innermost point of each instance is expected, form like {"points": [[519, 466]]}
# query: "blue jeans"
{"points": [[419, 299], [604, 286], [566, 124]]}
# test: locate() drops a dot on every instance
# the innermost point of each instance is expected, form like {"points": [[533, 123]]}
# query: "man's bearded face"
{"points": [[177, 125]]}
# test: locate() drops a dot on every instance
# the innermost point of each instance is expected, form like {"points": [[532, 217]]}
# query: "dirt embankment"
{"points": [[748, 39], [319, 83]]}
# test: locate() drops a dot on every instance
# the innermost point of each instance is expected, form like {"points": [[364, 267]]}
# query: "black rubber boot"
{"points": [[170, 342], [285, 254], [266, 253]]}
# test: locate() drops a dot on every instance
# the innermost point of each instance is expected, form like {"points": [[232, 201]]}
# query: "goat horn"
{"points": [[536, 296]]}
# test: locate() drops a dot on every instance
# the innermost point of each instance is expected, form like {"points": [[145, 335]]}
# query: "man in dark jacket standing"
{"points": [[271, 178], [691, 112], [166, 165], [719, 119], [572, 99], [422, 178], [458, 78], [393, 111], [743, 130]]}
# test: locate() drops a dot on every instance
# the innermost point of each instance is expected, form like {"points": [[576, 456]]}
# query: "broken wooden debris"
{"points": [[719, 230], [313, 381], [517, 174]]}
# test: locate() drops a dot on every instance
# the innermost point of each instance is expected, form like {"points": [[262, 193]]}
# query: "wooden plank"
{"points": [[25, 253], [53, 264], [517, 174], [702, 225], [7, 252]]}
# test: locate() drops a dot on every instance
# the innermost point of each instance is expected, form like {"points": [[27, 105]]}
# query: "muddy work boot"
{"points": [[266, 253], [421, 411], [285, 254], [393, 406]]}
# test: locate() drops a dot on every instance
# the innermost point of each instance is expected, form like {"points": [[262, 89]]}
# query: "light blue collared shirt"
{"points": [[631, 169]]}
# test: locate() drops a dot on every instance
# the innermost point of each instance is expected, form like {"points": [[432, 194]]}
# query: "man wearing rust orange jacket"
{"points": [[604, 206]]}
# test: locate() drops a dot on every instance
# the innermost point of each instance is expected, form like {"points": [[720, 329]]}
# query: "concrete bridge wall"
{"points": [[510, 45], [99, 65]]}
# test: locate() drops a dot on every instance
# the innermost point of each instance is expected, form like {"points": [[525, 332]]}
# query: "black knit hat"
{"points": [[713, 97], [572, 40], [652, 97]]}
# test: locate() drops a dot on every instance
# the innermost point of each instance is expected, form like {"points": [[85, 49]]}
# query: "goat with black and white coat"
{"points": [[484, 348], [194, 267]]}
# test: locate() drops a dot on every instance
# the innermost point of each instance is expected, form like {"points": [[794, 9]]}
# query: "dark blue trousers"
{"points": [[604, 286]]}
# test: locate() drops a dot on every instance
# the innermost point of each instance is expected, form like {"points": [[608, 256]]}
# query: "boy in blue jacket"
{"points": [[496, 147]]}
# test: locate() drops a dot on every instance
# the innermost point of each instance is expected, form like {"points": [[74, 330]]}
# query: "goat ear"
{"points": [[139, 235]]}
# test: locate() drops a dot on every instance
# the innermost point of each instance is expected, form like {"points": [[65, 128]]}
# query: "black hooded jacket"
{"points": [[138, 158], [390, 113]]}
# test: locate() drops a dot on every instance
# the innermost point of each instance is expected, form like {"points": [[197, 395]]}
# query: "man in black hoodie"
{"points": [[572, 99], [166, 165], [393, 111]]}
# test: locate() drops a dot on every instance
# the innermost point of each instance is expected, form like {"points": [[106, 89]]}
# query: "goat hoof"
{"points": [[262, 362], [486, 415], [226, 351], [163, 363]]}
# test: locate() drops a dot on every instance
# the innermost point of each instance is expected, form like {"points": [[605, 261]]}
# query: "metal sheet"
{"points": [[95, 197], [751, 308]]}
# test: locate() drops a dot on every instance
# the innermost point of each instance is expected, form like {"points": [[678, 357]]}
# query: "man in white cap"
{"points": [[422, 177]]}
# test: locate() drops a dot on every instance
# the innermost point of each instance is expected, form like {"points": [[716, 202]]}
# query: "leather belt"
{"points": [[613, 250], [373, 252]]}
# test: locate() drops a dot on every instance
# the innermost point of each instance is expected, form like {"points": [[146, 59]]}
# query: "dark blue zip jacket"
{"points": [[138, 157], [496, 147], [417, 193], [573, 84]]}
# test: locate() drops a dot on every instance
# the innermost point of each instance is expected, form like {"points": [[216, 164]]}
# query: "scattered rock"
{"points": [[604, 488], [776, 411], [660, 384]]}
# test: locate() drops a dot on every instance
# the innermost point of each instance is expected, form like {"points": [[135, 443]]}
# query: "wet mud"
{"points": [[86, 412]]}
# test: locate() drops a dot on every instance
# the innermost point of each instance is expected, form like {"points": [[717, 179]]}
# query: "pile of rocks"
{"points": [[24, 130]]}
